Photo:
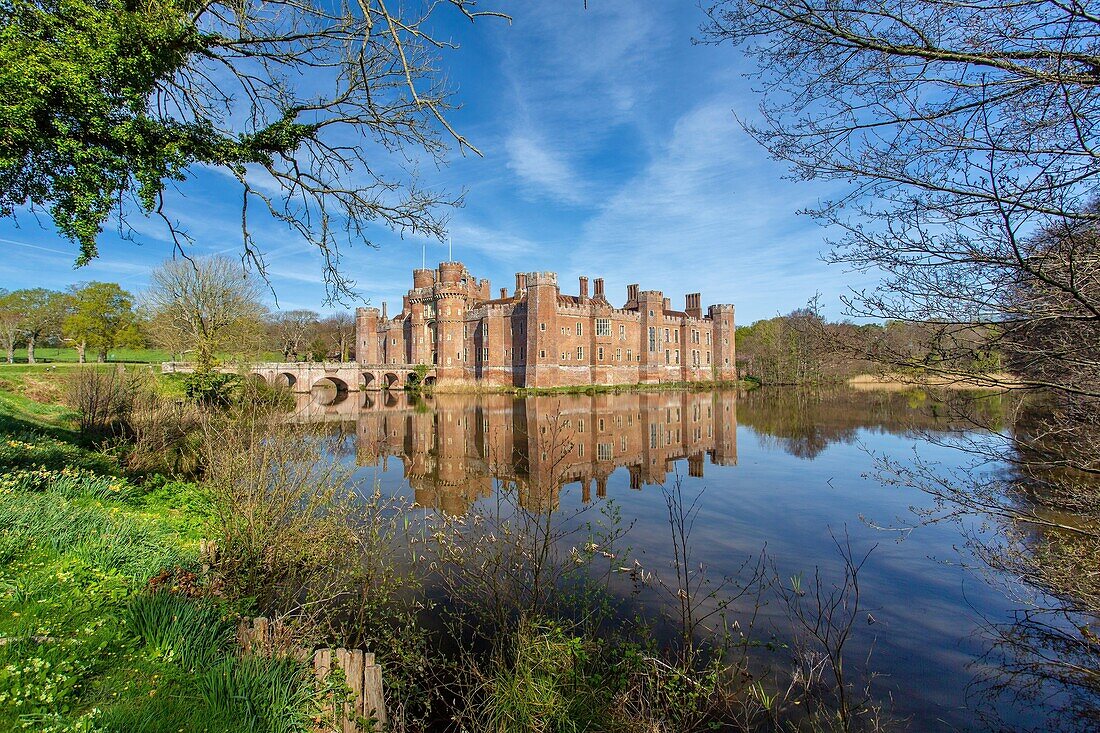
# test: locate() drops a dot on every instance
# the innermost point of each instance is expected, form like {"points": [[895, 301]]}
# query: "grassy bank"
{"points": [[102, 624], [515, 617]]}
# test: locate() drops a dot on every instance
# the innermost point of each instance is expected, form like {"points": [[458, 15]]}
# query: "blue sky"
{"points": [[610, 150]]}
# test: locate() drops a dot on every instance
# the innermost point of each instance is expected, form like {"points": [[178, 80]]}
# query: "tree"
{"points": [[41, 312], [339, 329], [11, 318], [105, 102], [291, 329], [102, 317], [967, 134], [205, 306]]}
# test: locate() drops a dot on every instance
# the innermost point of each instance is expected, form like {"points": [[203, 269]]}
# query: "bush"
{"points": [[211, 388], [103, 400]]}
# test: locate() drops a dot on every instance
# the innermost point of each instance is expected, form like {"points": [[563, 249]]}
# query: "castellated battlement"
{"points": [[534, 279], [454, 322]]}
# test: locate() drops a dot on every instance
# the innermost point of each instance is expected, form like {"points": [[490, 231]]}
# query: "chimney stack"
{"points": [[666, 304], [632, 292], [692, 307], [503, 293], [384, 316], [598, 288], [583, 289], [521, 282]]}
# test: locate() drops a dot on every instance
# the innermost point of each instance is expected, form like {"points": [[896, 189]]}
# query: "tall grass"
{"points": [[192, 634], [109, 540]]}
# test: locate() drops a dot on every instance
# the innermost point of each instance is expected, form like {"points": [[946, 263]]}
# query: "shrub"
{"points": [[103, 400], [211, 388]]}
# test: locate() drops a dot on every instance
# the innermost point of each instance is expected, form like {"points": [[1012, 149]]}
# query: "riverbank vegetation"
{"points": [[514, 617]]}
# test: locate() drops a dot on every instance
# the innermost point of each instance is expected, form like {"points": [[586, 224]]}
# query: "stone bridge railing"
{"points": [[304, 376]]}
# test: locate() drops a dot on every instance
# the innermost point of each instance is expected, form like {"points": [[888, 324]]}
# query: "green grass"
{"points": [[85, 645], [48, 355]]}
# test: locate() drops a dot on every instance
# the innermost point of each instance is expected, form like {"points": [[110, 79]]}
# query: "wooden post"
{"points": [[260, 636], [374, 705]]}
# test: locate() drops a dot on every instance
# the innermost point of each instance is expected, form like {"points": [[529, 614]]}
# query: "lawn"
{"points": [[51, 355]]}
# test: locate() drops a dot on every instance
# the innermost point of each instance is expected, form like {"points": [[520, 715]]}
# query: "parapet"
{"points": [[651, 295], [450, 272], [423, 278], [720, 308], [541, 278]]}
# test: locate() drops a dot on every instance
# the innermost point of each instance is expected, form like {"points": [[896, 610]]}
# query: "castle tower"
{"points": [[723, 331], [651, 308], [542, 329], [450, 313], [366, 336]]}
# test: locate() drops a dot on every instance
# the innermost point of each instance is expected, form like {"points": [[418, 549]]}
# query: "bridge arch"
{"points": [[367, 380], [339, 384], [285, 379], [390, 380]]}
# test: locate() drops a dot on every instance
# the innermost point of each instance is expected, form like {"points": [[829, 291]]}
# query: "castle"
{"points": [[538, 337]]}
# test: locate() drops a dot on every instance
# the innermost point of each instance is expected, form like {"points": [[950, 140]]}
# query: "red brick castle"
{"points": [[538, 337]]}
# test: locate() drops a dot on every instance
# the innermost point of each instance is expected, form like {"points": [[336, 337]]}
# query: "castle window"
{"points": [[580, 450], [651, 314], [603, 451], [599, 354], [580, 425], [601, 424], [580, 352], [542, 326], [603, 326], [676, 334], [668, 356], [542, 353], [622, 331], [618, 354], [677, 356], [652, 338], [485, 354], [708, 339], [580, 329], [629, 355], [708, 358], [666, 334], [564, 355]]}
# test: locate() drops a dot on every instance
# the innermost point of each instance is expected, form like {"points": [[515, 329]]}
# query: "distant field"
{"points": [[65, 355], [115, 356]]}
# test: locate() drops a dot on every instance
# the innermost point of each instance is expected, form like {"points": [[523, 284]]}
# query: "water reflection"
{"points": [[781, 469], [452, 447]]}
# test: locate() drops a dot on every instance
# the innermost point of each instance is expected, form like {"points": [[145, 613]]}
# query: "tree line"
{"points": [[199, 309], [802, 347]]}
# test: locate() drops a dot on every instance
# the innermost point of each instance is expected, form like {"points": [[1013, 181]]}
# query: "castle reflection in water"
{"points": [[453, 446]]}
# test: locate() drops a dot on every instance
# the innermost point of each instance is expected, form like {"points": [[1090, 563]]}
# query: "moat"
{"points": [[781, 471]]}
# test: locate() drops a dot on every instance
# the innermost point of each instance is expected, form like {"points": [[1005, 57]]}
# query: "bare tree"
{"points": [[339, 329], [206, 306], [291, 330], [966, 134]]}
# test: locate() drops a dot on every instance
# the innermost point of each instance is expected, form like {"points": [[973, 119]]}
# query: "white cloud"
{"points": [[543, 169]]}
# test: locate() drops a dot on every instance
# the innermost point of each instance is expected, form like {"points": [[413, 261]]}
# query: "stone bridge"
{"points": [[304, 376]]}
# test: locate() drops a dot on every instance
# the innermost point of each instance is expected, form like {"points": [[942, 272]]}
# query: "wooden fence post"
{"points": [[259, 636]]}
